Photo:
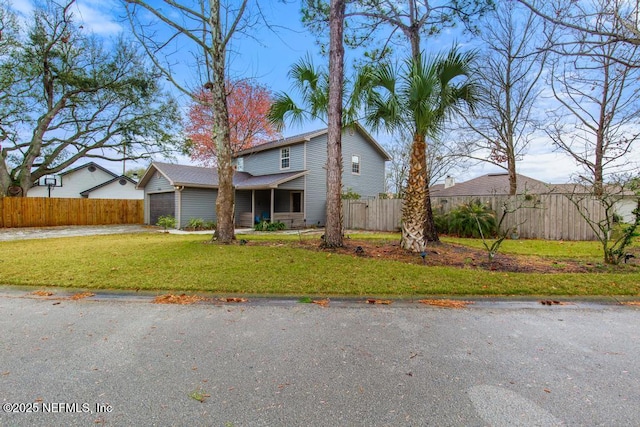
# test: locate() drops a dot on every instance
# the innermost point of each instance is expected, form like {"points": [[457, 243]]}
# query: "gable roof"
{"points": [[308, 136], [496, 184], [87, 165], [207, 177], [490, 185], [84, 166], [85, 193]]}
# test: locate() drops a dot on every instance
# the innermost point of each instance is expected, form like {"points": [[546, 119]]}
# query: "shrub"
{"points": [[442, 223], [350, 195], [473, 219], [210, 225], [269, 226], [166, 222], [195, 224]]}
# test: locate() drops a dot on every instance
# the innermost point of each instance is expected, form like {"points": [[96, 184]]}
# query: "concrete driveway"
{"points": [[126, 361], [69, 231]]}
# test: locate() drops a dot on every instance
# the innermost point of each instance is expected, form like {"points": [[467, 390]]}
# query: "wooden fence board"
{"points": [[547, 216], [44, 212]]}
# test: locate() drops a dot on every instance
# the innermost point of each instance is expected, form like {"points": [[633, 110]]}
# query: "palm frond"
{"points": [[284, 108]]}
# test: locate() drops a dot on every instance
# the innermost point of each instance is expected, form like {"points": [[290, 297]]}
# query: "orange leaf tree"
{"points": [[248, 104]]}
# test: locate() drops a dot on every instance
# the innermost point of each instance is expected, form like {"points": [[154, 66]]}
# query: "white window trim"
{"points": [[359, 164], [288, 157]]}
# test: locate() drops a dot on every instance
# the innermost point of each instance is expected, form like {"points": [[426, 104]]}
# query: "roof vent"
{"points": [[91, 168], [449, 182]]}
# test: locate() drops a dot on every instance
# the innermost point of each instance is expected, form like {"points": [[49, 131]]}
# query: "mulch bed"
{"points": [[451, 255]]}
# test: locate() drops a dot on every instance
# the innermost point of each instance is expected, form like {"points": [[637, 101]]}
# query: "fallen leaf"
{"points": [[81, 295], [42, 293], [379, 301], [446, 303], [322, 302], [177, 299], [630, 303], [233, 299], [552, 302], [546, 390]]}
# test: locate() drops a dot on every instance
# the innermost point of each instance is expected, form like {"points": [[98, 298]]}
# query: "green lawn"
{"points": [[275, 266]]}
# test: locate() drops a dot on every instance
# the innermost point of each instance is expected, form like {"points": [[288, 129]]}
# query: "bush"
{"points": [[195, 224], [350, 195], [166, 222], [198, 224], [442, 223], [473, 219], [265, 225]]}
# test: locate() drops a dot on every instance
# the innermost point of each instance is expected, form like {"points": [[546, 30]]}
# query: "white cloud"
{"points": [[98, 17]]}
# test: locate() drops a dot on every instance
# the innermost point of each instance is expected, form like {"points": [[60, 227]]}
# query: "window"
{"points": [[285, 158], [355, 165], [240, 164]]}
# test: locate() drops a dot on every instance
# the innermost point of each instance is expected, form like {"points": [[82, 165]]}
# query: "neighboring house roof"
{"points": [[206, 177], [85, 193], [307, 136], [498, 184], [489, 185], [84, 166]]}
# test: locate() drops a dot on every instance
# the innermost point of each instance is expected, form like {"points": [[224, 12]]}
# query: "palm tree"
{"points": [[419, 97], [313, 86]]}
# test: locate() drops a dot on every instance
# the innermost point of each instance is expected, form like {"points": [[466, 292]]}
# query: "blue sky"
{"points": [[267, 56]]}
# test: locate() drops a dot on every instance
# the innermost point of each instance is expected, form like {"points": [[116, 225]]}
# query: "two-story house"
{"points": [[282, 180]]}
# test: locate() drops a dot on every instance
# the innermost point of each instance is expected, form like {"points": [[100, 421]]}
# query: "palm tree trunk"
{"points": [[414, 209], [430, 232]]}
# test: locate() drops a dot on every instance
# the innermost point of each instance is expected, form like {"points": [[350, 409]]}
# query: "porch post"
{"points": [[253, 206], [273, 192]]}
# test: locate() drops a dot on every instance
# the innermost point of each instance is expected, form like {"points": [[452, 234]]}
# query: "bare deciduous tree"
{"points": [[598, 21], [596, 122], [504, 126], [206, 31]]}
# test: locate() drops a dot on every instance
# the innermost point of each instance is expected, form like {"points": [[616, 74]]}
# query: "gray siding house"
{"points": [[283, 180]]}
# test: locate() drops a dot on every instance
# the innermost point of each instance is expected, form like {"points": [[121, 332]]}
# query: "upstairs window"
{"points": [[355, 165], [285, 156]]}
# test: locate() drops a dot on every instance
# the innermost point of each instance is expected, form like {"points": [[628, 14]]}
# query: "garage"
{"points": [[161, 204]]}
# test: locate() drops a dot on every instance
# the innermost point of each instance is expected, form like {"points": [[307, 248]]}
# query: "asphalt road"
{"points": [[282, 363]]}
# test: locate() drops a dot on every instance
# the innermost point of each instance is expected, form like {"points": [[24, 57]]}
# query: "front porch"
{"points": [[286, 206]]}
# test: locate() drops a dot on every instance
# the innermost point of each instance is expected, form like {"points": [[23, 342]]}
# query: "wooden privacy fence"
{"points": [[545, 216], [43, 212], [372, 214]]}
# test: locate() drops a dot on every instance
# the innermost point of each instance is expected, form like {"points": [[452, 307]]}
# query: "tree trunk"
{"points": [[430, 232], [221, 134], [511, 169], [333, 230], [5, 179], [416, 200]]}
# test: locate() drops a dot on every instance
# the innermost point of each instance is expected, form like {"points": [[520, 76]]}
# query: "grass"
{"points": [[558, 250], [185, 263]]}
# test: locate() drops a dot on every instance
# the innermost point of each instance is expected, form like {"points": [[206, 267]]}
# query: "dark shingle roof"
{"points": [[85, 193], [489, 185], [207, 177], [498, 184]]}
